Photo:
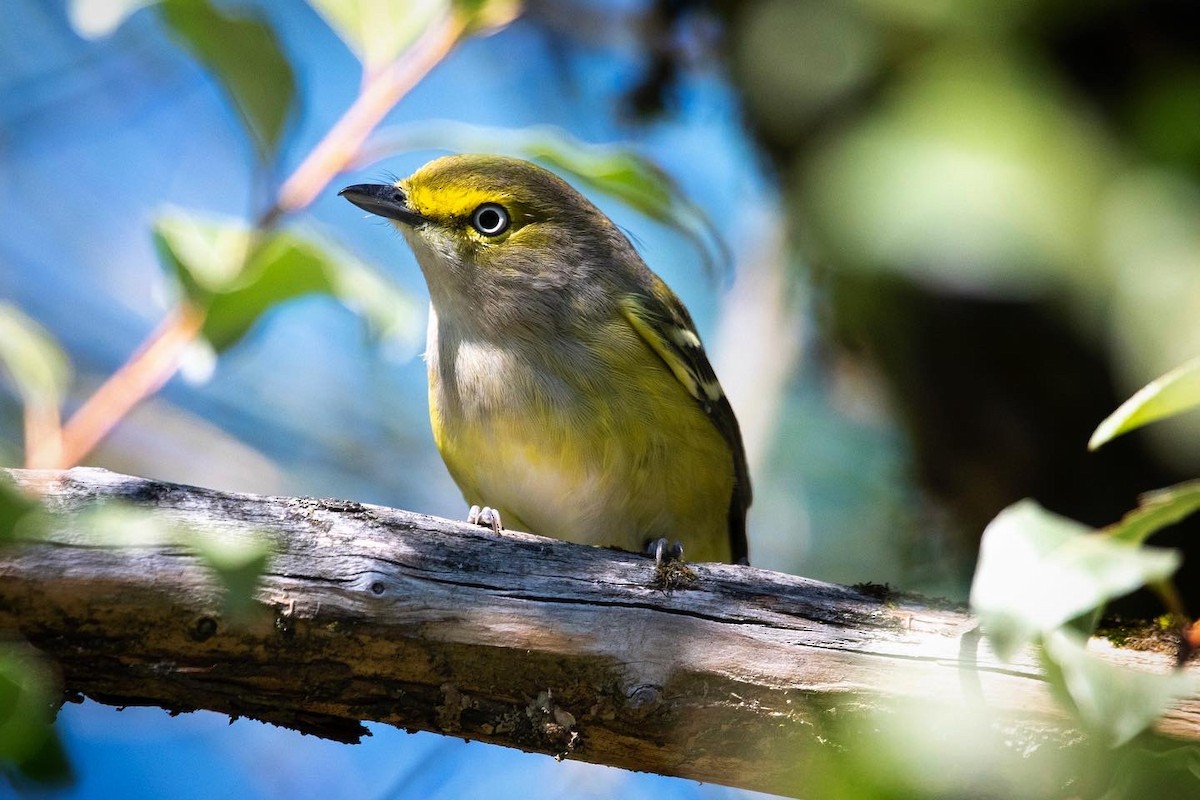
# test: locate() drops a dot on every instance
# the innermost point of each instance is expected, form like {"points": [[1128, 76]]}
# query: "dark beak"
{"points": [[382, 199]]}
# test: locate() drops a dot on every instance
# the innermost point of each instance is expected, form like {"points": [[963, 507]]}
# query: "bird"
{"points": [[569, 393]]}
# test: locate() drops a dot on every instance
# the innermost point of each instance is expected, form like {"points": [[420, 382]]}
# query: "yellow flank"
{"points": [[596, 473]]}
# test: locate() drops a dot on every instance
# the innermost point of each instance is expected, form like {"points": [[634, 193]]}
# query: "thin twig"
{"points": [[379, 95], [151, 366], [43, 435]]}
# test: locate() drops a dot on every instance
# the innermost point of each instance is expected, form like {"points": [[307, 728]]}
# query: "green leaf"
{"points": [[28, 697], [1157, 510], [1149, 772], [1037, 571], [238, 562], [20, 515], [638, 183], [391, 315], [287, 266], [95, 19], [237, 278], [378, 31], [485, 17], [236, 558], [281, 269], [1114, 702], [122, 525], [37, 366], [47, 766], [1173, 393], [207, 255], [245, 56]]}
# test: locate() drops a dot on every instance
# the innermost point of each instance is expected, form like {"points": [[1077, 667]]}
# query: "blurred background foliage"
{"points": [[960, 232]]}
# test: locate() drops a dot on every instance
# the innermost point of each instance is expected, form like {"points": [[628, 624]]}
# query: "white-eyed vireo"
{"points": [[568, 389]]}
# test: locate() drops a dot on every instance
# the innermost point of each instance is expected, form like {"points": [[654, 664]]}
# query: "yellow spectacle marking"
{"points": [[442, 204]]}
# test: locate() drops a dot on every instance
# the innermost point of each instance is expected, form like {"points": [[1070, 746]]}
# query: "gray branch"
{"points": [[369, 613]]}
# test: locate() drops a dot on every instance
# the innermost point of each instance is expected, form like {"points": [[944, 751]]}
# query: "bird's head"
{"points": [[477, 221]]}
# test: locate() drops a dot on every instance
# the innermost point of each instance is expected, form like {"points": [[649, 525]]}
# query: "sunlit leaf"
{"points": [[38, 367], [484, 17], [95, 19], [1157, 510], [237, 276], [1173, 393], [377, 31], [281, 269], [1113, 701], [245, 56], [207, 255], [28, 696], [288, 266], [1037, 571]]}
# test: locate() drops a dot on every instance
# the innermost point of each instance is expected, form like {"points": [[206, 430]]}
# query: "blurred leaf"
{"points": [[122, 525], [245, 56], [1116, 702], [1037, 571], [1157, 510], [619, 173], [28, 697], [390, 313], [976, 172], [786, 95], [287, 267], [38, 367], [95, 19], [378, 31], [485, 17], [1144, 772], [20, 515], [281, 269], [237, 280], [47, 766], [207, 255], [638, 183], [1175, 392], [238, 561]]}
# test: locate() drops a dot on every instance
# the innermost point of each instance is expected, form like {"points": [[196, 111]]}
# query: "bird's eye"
{"points": [[490, 219]]}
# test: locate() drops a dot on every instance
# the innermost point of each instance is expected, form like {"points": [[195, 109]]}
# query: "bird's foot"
{"points": [[663, 550], [670, 570], [486, 516]]}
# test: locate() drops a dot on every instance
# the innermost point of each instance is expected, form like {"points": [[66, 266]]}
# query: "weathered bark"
{"points": [[369, 613]]}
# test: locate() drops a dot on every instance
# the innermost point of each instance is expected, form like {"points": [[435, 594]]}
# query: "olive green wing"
{"points": [[662, 321]]}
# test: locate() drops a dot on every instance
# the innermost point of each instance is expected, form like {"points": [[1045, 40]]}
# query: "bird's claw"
{"points": [[663, 550], [486, 516]]}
